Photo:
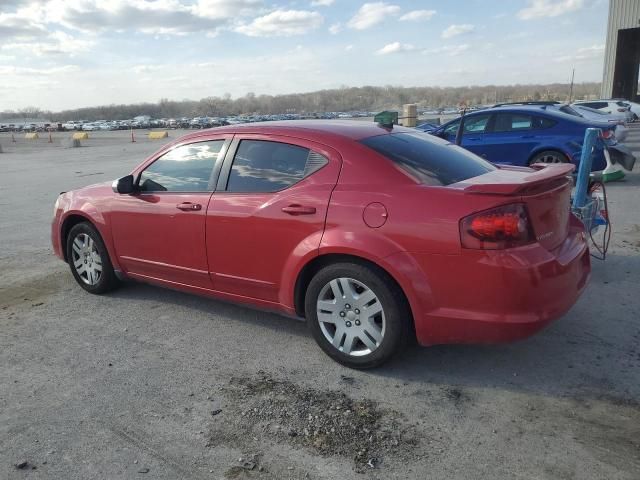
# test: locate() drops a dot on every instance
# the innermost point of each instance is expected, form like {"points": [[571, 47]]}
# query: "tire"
{"points": [[89, 260], [549, 156], [335, 302]]}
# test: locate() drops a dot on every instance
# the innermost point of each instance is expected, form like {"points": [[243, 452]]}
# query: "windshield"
{"points": [[429, 160]]}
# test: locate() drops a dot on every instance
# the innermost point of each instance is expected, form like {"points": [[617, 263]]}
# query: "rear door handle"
{"points": [[189, 207], [299, 210]]}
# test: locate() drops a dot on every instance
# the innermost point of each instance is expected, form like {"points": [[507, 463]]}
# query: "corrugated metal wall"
{"points": [[622, 14]]}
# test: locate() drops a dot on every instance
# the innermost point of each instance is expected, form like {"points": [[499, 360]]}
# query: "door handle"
{"points": [[189, 207], [474, 139], [299, 210]]}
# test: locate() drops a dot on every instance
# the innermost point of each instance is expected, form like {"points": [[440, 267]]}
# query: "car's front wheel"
{"points": [[89, 259], [357, 314]]}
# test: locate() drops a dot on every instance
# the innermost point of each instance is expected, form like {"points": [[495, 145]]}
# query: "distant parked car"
{"points": [[525, 135], [633, 106], [614, 107], [90, 127], [598, 115]]}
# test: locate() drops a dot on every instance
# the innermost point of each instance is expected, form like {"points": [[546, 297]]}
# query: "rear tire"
{"points": [[549, 156], [357, 314], [89, 260]]}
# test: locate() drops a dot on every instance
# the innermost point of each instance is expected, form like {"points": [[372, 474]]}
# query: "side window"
{"points": [[472, 124], [542, 123], [512, 122], [452, 129], [184, 169], [262, 166], [476, 124]]}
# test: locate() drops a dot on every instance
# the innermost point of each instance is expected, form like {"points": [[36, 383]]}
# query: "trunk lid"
{"points": [[545, 190]]}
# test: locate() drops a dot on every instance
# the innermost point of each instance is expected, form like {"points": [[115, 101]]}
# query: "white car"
{"points": [[633, 106], [90, 127], [593, 114], [614, 107]]}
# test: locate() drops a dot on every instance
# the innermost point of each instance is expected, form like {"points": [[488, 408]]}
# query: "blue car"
{"points": [[524, 135]]}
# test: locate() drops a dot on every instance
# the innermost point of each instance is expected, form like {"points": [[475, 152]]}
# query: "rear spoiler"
{"points": [[508, 180]]}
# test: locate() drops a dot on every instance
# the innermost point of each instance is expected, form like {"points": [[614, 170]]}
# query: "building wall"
{"points": [[622, 14]]}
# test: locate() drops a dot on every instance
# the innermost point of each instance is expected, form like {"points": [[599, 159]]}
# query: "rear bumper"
{"points": [[502, 296]]}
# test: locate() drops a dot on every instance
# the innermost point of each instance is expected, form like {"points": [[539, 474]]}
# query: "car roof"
{"points": [[312, 129], [545, 110]]}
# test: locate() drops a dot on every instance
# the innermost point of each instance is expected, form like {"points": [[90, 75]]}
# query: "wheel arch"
{"points": [[548, 148], [68, 223], [318, 262]]}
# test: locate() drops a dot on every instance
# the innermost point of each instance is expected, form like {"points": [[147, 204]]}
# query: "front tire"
{"points": [[89, 260], [357, 314]]}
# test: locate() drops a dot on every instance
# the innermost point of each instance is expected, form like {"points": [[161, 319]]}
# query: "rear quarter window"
{"points": [[429, 160]]}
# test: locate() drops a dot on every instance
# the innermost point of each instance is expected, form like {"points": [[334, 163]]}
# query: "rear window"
{"points": [[429, 160]]}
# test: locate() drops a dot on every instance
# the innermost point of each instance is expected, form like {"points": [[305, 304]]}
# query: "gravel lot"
{"points": [[152, 383]]}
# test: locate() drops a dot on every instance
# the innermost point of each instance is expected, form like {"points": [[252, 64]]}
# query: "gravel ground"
{"points": [[152, 383]]}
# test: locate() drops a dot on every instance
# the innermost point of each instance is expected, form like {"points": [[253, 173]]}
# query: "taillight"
{"points": [[606, 134], [502, 227]]}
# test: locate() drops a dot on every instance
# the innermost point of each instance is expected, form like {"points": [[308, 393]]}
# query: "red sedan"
{"points": [[372, 234]]}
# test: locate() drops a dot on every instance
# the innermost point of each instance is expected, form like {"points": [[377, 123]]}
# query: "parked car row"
{"points": [[526, 133]]}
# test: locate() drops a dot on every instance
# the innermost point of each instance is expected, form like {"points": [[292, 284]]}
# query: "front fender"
{"points": [[79, 206]]}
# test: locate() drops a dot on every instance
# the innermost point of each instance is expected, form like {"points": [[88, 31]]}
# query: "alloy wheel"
{"points": [[549, 157], [86, 259], [351, 316]]}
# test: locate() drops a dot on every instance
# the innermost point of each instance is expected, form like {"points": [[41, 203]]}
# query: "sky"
{"points": [[59, 54]]}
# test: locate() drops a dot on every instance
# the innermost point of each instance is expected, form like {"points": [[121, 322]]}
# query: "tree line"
{"points": [[344, 99]]}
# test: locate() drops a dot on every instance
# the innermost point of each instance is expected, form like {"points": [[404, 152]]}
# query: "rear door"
{"points": [[269, 208]]}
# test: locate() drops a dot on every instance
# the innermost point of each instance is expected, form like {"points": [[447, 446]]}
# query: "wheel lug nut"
{"points": [[358, 322], [342, 314], [357, 310], [348, 324], [347, 306]]}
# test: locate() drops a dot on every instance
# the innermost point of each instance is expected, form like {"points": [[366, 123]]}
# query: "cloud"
{"points": [[450, 50], [455, 30], [417, 15], [322, 3], [225, 9], [56, 43], [582, 54], [371, 14], [282, 23], [395, 47], [335, 28], [549, 8]]}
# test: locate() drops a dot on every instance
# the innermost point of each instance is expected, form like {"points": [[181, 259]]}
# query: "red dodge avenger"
{"points": [[372, 234]]}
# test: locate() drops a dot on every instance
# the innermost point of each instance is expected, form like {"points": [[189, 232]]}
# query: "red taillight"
{"points": [[606, 134], [502, 227]]}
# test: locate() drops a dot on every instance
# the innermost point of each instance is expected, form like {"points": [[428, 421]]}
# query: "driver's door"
{"points": [[159, 231]]}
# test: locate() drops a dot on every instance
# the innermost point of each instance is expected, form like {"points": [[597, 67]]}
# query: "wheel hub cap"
{"points": [[86, 259], [351, 316]]}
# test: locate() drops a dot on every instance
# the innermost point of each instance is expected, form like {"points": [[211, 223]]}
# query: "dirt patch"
{"points": [[31, 292], [325, 421]]}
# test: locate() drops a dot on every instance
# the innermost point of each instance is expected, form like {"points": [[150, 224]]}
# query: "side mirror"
{"points": [[124, 185]]}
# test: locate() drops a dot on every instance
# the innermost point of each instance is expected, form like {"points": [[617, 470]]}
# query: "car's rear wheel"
{"points": [[549, 156], [357, 314], [89, 259]]}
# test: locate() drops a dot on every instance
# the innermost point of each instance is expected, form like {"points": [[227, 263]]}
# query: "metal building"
{"points": [[622, 52]]}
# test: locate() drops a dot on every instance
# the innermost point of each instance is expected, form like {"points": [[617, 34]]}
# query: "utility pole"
{"points": [[573, 73]]}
